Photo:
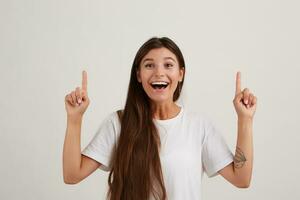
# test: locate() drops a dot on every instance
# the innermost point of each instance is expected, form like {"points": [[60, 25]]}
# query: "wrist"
{"points": [[74, 119], [245, 124], [245, 118]]}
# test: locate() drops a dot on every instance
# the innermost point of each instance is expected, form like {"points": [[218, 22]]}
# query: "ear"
{"points": [[138, 76], [181, 73]]}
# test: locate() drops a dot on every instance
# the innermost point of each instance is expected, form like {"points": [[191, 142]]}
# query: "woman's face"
{"points": [[159, 72]]}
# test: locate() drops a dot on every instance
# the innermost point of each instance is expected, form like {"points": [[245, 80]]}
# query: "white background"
{"points": [[45, 45]]}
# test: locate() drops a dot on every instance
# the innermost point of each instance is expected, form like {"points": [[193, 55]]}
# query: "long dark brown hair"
{"points": [[136, 169]]}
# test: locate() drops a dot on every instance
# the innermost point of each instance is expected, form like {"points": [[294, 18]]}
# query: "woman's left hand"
{"points": [[244, 101]]}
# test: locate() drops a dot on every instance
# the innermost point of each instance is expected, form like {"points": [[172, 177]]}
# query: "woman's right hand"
{"points": [[77, 101]]}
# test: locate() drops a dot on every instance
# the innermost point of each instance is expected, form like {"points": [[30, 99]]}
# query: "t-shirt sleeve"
{"points": [[100, 148], [215, 152]]}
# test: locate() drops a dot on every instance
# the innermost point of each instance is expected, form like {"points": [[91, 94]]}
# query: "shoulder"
{"points": [[111, 122], [197, 123], [113, 117], [199, 120], [194, 116]]}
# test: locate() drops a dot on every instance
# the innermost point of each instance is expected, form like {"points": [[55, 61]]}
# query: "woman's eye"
{"points": [[169, 65], [148, 65]]}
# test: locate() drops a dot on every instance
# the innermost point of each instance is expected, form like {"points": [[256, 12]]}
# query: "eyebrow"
{"points": [[150, 59]]}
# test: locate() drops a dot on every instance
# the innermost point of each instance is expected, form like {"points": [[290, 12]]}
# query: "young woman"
{"points": [[155, 148]]}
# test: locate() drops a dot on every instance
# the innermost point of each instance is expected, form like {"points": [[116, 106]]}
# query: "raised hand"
{"points": [[244, 101], [77, 101]]}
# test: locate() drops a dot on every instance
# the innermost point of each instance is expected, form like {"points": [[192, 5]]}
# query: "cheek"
{"points": [[174, 86], [144, 75], [175, 80], [175, 76], [145, 85]]}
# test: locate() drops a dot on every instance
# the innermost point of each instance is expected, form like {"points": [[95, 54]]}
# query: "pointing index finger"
{"points": [[84, 80], [238, 83]]}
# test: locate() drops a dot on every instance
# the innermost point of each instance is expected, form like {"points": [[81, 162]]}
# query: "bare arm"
{"points": [[239, 172], [76, 166], [71, 151]]}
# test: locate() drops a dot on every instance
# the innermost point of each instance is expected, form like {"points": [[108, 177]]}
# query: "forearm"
{"points": [[243, 159], [72, 148]]}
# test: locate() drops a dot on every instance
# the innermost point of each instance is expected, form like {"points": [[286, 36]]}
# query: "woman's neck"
{"points": [[165, 111]]}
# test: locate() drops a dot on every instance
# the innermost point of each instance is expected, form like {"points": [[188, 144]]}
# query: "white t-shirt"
{"points": [[191, 145]]}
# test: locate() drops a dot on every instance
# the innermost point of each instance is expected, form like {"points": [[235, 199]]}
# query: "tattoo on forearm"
{"points": [[239, 158]]}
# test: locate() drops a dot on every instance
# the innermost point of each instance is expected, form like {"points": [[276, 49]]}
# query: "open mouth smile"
{"points": [[159, 85]]}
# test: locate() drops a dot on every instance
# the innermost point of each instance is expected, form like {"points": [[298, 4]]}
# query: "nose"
{"points": [[159, 71]]}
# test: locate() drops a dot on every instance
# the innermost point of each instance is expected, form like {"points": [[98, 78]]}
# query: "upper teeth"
{"points": [[159, 83]]}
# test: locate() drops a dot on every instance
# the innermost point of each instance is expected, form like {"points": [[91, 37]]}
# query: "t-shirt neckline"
{"points": [[171, 120]]}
